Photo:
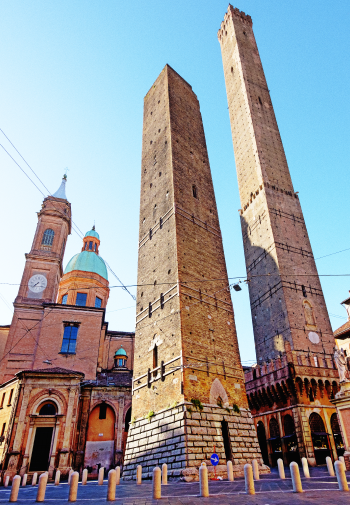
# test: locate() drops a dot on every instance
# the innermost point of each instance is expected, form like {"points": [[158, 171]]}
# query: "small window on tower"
{"points": [[81, 299], [90, 246], [155, 360], [95, 247], [304, 291], [48, 237], [103, 411], [64, 299], [85, 246], [98, 302], [194, 191]]}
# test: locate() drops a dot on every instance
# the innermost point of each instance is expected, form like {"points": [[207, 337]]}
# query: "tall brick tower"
{"points": [[39, 284], [288, 308], [188, 387]]}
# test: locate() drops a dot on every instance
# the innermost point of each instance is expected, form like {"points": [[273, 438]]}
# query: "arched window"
{"points": [[48, 409], [274, 428], [48, 237], [316, 423], [288, 425], [335, 423]]}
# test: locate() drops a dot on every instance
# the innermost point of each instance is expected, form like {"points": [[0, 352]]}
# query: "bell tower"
{"points": [[43, 268], [39, 284]]}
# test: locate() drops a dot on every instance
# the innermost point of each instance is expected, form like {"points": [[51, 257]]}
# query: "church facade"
{"points": [[66, 379]]}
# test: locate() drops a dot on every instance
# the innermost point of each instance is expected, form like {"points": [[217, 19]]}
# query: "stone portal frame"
{"points": [[37, 421]]}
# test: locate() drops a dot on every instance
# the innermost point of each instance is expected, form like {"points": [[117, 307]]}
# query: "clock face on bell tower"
{"points": [[37, 283]]}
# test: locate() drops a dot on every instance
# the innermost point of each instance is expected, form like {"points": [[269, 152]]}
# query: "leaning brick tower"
{"points": [[290, 318], [188, 386], [286, 297]]}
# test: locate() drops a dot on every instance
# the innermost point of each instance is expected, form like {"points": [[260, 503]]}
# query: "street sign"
{"points": [[214, 459]]}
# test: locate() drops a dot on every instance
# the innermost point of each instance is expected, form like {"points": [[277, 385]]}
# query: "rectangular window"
{"points": [[90, 246], [98, 302], [69, 341], [103, 411], [81, 299], [64, 299], [2, 400], [316, 360], [10, 398], [120, 362]]}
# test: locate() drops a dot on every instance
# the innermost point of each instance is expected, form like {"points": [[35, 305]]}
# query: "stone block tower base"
{"points": [[183, 437]]}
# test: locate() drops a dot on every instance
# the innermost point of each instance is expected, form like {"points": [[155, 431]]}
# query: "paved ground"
{"points": [[270, 490]]}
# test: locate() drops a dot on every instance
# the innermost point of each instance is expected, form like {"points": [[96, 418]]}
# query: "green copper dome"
{"points": [[120, 352], [92, 233], [88, 261]]}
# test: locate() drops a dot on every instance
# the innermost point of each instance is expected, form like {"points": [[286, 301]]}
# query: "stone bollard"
{"points": [[330, 466], [34, 479], [294, 472], [118, 475], [164, 474], [57, 477], [305, 468], [281, 468], [255, 467], [7, 480], [157, 483], [249, 480], [70, 475], [341, 477], [112, 482], [24, 480], [203, 481], [15, 488], [101, 474], [84, 477], [73, 486], [139, 474], [230, 471], [40, 496]]}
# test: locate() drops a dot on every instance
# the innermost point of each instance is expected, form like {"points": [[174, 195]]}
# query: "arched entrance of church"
{"points": [[320, 439], [44, 436], [99, 449]]}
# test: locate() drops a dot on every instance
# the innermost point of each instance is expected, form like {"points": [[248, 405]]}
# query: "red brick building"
{"points": [[66, 379]]}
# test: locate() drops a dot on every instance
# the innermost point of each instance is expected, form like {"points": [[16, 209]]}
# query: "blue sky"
{"points": [[73, 78]]}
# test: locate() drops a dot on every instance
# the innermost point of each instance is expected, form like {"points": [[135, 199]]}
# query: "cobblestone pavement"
{"points": [[270, 490]]}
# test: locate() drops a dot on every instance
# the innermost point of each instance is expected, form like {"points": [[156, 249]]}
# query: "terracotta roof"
{"points": [[53, 370], [345, 328]]}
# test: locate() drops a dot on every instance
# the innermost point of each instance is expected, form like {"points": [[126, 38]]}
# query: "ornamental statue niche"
{"points": [[340, 361], [309, 315]]}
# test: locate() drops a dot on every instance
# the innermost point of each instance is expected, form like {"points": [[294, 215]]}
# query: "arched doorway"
{"points": [[99, 449], [262, 441], [43, 437], [338, 439], [290, 443], [126, 429], [274, 442], [320, 439]]}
